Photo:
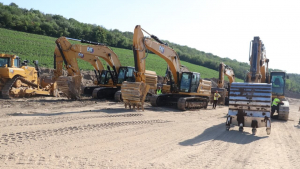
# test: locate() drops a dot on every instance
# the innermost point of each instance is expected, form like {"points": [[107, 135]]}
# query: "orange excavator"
{"points": [[108, 82], [228, 71], [186, 89]]}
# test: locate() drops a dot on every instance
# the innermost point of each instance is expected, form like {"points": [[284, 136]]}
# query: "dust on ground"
{"points": [[47, 132]]}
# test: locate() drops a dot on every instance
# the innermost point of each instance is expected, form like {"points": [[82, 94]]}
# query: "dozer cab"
{"points": [[17, 79]]}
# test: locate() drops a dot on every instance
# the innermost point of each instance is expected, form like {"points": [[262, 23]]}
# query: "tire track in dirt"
{"points": [[232, 143], [50, 120], [20, 160], [291, 146], [11, 138]]}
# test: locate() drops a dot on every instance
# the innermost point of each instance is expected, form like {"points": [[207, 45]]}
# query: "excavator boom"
{"points": [[228, 71], [186, 88]]}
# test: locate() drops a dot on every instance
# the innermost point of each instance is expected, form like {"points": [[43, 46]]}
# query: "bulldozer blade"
{"points": [[250, 102]]}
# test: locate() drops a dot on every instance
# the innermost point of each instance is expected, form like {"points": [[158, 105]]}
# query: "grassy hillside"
{"points": [[39, 47]]}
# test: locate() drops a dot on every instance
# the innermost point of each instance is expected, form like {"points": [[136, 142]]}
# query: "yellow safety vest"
{"points": [[158, 92], [274, 103], [216, 96]]}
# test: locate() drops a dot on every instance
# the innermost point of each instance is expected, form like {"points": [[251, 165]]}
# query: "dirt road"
{"points": [[56, 133]]}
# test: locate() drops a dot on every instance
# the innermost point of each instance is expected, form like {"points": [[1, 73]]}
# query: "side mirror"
{"points": [[287, 77], [35, 62]]}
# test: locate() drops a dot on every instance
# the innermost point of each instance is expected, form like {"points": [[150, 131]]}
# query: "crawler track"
{"points": [[8, 86]]}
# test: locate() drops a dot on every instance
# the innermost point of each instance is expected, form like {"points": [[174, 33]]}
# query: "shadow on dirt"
{"points": [[218, 132], [64, 100], [106, 110], [103, 110]]}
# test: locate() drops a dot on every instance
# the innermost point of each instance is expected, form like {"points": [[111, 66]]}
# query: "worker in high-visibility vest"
{"points": [[216, 97], [158, 91], [275, 106]]}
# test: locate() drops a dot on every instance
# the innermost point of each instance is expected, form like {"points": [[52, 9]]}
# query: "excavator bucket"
{"points": [[70, 86], [250, 106], [134, 93]]}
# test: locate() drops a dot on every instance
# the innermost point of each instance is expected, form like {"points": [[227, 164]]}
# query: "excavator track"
{"points": [[104, 92], [183, 103], [186, 103], [8, 86], [118, 96], [156, 101]]}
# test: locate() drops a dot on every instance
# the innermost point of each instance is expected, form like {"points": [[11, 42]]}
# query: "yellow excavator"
{"points": [[228, 71], [186, 89], [278, 80], [17, 79], [250, 102], [108, 82]]}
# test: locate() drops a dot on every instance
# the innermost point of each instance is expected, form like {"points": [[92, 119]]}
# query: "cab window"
{"points": [[4, 61], [185, 82]]}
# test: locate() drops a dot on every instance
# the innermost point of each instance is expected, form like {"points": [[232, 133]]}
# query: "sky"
{"points": [[221, 27]]}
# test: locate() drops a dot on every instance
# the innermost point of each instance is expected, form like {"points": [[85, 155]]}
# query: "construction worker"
{"points": [[275, 106], [216, 97], [158, 91]]}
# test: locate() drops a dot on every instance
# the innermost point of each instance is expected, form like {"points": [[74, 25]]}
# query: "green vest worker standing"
{"points": [[275, 106], [216, 97], [158, 91]]}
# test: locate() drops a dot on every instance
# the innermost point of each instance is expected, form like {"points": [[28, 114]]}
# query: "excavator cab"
{"points": [[278, 83], [126, 74], [105, 77], [189, 82]]}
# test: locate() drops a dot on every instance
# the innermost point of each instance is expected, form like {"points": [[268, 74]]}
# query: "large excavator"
{"points": [[17, 79], [186, 89], [107, 82], [228, 71], [250, 102]]}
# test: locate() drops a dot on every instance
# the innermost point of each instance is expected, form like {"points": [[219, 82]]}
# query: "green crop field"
{"points": [[41, 48]]}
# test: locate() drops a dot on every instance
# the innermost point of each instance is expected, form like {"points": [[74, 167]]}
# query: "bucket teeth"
{"points": [[70, 86]]}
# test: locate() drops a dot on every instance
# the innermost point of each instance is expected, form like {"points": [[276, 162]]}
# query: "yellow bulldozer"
{"points": [[17, 79]]}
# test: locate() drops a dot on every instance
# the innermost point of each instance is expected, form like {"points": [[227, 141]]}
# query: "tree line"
{"points": [[34, 21]]}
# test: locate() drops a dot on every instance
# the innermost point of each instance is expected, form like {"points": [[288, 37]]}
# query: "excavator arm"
{"points": [[88, 53], [68, 53], [142, 43], [225, 70], [258, 62], [58, 65]]}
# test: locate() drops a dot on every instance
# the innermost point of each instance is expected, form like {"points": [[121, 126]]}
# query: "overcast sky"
{"points": [[221, 27]]}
